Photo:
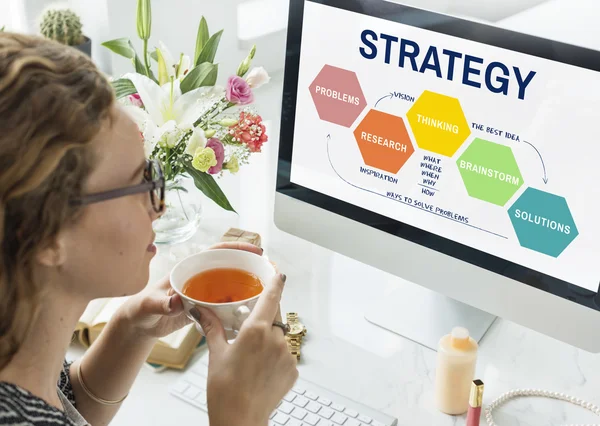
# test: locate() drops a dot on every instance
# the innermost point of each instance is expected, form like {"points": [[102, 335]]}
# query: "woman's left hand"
{"points": [[157, 311]]}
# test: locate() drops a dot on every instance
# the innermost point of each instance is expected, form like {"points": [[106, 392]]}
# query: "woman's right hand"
{"points": [[248, 378]]}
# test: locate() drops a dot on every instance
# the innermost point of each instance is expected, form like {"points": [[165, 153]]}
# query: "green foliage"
{"points": [[124, 47], [123, 87], [209, 187], [204, 75], [63, 26], [201, 39], [209, 51]]}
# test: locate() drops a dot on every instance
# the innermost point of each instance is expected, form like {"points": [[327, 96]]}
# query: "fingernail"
{"points": [[262, 250], [283, 277], [195, 313], [170, 303]]}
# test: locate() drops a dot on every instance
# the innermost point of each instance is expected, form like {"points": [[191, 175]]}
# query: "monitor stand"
{"points": [[424, 316]]}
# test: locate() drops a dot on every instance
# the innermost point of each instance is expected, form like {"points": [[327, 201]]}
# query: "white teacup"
{"points": [[232, 314]]}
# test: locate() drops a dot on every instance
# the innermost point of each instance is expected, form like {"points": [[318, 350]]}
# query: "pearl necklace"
{"points": [[538, 392]]}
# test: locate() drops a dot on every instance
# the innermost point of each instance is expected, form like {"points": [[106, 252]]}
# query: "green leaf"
{"points": [[201, 39], [123, 87], [209, 51], [139, 66], [124, 47], [177, 188], [202, 75], [154, 55], [121, 46], [209, 187], [2, 29]]}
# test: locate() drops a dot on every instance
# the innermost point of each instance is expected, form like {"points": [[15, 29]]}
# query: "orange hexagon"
{"points": [[383, 141]]}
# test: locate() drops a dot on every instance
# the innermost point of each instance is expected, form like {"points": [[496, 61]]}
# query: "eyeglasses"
{"points": [[154, 183]]}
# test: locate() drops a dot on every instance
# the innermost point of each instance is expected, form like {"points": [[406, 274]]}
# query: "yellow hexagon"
{"points": [[438, 123]]}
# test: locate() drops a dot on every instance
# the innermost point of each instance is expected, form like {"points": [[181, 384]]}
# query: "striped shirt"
{"points": [[19, 407]]}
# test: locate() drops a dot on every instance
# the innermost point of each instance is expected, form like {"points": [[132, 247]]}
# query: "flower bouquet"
{"points": [[194, 127]]}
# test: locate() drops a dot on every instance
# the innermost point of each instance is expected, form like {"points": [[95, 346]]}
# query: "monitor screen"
{"points": [[471, 140]]}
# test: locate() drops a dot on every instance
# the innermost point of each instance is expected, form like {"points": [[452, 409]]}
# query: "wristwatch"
{"points": [[295, 335]]}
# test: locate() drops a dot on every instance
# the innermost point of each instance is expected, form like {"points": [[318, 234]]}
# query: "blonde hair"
{"points": [[53, 101]]}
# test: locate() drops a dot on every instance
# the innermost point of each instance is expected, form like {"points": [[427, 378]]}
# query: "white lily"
{"points": [[183, 66], [166, 64], [167, 109]]}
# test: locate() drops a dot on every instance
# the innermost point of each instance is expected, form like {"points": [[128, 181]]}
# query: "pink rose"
{"points": [[216, 145], [239, 91]]}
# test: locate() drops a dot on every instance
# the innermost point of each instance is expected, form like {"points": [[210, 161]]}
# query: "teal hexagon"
{"points": [[490, 172], [543, 222]]}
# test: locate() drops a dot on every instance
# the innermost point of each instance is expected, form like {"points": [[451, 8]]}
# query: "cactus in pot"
{"points": [[64, 26]]}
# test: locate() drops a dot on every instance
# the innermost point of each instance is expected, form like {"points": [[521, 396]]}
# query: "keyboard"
{"points": [[307, 404]]}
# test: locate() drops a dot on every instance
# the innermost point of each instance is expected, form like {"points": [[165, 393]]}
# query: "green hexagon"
{"points": [[490, 172]]}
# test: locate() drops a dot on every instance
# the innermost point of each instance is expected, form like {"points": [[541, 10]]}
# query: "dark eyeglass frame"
{"points": [[148, 186]]}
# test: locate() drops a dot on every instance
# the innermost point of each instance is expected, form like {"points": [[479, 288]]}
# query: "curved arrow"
{"points": [[391, 95], [400, 201], [545, 178]]}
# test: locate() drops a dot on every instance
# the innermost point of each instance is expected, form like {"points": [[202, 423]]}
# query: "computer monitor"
{"points": [[457, 156]]}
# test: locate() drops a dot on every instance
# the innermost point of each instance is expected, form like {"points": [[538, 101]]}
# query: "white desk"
{"points": [[368, 364], [359, 360]]}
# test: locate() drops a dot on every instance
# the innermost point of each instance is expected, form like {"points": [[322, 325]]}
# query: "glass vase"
{"points": [[183, 213]]}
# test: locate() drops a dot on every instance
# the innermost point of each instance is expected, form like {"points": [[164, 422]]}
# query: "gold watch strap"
{"points": [[294, 346], [294, 342]]}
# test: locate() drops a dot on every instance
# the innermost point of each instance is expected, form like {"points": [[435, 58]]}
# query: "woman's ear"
{"points": [[53, 254]]}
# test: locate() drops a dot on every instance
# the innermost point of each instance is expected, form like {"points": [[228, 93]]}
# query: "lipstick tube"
{"points": [[475, 403]]}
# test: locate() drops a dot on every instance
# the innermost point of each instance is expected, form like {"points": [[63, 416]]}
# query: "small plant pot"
{"points": [[85, 47]]}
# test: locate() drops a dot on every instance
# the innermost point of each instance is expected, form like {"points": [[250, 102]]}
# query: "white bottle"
{"points": [[455, 371]]}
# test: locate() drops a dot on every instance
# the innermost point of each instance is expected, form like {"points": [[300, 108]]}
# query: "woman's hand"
{"points": [[157, 311], [248, 378]]}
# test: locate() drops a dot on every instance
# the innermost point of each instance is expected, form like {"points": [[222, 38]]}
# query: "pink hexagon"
{"points": [[337, 96]]}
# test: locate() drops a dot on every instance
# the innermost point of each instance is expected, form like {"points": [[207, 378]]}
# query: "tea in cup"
{"points": [[226, 281]]}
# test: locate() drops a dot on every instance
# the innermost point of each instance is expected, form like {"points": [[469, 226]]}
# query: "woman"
{"points": [[63, 141]]}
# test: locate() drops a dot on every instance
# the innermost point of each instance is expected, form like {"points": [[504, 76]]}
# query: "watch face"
{"points": [[296, 328]]}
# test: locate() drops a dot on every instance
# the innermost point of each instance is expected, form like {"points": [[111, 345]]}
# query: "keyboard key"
{"points": [[273, 414], [324, 401], [364, 419], [192, 392], [313, 407], [286, 408], [299, 413], [299, 391], [290, 397], [351, 413], [180, 387], [201, 398], [326, 413], [281, 419], [325, 423], [294, 422], [376, 423], [352, 422], [311, 395], [339, 419], [338, 407], [300, 401], [311, 419], [201, 369]]}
